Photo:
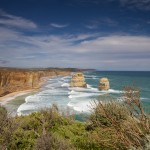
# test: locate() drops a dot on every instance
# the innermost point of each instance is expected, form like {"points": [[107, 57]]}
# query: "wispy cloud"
{"points": [[90, 50], [84, 50], [15, 21], [83, 3], [25, 57], [91, 26], [138, 4], [55, 25], [3, 62], [99, 22]]}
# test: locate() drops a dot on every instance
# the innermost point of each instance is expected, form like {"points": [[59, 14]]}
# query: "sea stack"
{"points": [[78, 80], [104, 84]]}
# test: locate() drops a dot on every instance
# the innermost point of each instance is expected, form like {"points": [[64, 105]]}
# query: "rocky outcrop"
{"points": [[104, 84], [12, 80], [78, 80]]}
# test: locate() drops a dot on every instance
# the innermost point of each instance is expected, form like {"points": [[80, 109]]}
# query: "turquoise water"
{"points": [[79, 100], [119, 79]]}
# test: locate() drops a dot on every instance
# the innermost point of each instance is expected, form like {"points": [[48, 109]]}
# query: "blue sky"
{"points": [[99, 34]]}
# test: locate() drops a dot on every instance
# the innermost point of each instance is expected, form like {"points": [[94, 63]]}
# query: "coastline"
{"points": [[11, 96], [5, 99]]}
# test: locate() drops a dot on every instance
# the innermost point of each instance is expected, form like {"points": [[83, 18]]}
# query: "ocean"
{"points": [[79, 100]]}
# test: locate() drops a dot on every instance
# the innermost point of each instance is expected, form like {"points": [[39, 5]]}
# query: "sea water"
{"points": [[80, 100]]}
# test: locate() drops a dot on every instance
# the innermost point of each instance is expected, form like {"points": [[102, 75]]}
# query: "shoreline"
{"points": [[11, 96]]}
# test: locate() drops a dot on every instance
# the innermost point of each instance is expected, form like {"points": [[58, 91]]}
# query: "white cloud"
{"points": [[139, 4], [55, 25], [15, 21], [7, 34], [117, 44], [25, 57], [112, 52], [91, 26], [99, 22]]}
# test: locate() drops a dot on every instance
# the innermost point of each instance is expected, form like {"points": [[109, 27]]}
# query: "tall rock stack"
{"points": [[104, 84], [78, 80]]}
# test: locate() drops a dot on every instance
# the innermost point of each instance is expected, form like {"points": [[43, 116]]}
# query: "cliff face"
{"points": [[12, 80], [78, 80]]}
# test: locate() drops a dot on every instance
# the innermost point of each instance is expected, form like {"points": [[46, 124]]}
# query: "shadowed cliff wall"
{"points": [[12, 80]]}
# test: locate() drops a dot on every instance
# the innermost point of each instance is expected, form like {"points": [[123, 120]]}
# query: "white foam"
{"points": [[70, 105], [89, 86], [79, 94], [56, 92], [82, 106], [52, 92], [67, 77], [30, 107], [54, 84], [144, 98], [71, 92], [114, 91], [25, 107], [65, 85], [111, 91], [94, 77], [78, 89]]}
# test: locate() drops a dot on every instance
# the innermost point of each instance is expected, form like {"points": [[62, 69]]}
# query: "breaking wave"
{"points": [[58, 91]]}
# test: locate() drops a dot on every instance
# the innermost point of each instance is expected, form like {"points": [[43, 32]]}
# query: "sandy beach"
{"points": [[5, 99]]}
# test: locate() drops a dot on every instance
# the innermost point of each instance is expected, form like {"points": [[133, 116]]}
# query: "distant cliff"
{"points": [[12, 80]]}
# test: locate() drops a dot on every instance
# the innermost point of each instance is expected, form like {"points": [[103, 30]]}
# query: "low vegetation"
{"points": [[110, 126]]}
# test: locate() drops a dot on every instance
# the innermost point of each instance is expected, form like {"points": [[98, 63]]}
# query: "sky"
{"points": [[98, 34]]}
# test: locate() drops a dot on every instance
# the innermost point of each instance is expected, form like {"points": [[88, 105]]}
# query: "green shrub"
{"points": [[110, 126]]}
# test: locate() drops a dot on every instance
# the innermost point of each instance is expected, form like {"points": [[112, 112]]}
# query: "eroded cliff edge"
{"points": [[12, 80]]}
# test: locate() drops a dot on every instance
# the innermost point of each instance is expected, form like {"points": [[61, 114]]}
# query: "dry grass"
{"points": [[121, 125], [135, 106]]}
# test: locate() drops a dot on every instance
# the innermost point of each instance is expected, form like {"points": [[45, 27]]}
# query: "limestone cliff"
{"points": [[12, 80], [78, 80], [104, 84]]}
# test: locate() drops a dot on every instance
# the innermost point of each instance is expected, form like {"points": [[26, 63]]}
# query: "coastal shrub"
{"points": [[23, 139], [7, 127], [134, 104], [3, 118], [52, 142], [31, 122], [111, 125], [125, 124], [50, 117], [108, 113]]}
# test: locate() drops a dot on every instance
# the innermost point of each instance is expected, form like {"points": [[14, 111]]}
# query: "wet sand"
{"points": [[5, 99]]}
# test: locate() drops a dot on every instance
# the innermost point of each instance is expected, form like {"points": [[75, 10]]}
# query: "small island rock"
{"points": [[78, 80], [104, 84]]}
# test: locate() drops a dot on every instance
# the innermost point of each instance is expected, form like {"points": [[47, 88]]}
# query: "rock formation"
{"points": [[12, 80], [104, 84], [78, 80]]}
